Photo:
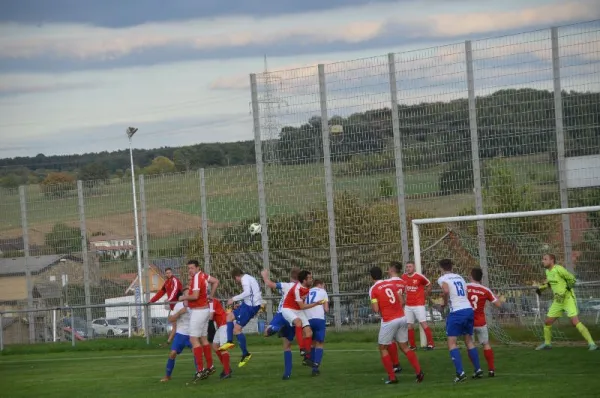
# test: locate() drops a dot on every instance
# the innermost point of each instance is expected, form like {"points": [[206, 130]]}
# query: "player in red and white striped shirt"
{"points": [[478, 296], [198, 299], [417, 289], [172, 288]]}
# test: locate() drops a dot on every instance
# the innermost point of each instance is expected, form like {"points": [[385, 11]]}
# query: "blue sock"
{"points": [[170, 366], [287, 360], [312, 353], [474, 355], [241, 338], [455, 356], [230, 332], [318, 357]]}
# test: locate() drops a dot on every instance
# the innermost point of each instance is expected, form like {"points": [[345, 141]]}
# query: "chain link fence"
{"points": [[347, 154]]}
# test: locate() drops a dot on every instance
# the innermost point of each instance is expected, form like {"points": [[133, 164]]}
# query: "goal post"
{"points": [[515, 242]]}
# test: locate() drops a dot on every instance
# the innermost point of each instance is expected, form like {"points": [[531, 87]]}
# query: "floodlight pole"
{"points": [[130, 132]]}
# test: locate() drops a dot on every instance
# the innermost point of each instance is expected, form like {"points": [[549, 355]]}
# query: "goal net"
{"points": [[508, 247]]}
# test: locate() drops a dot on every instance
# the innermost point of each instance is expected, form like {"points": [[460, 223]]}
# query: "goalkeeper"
{"points": [[561, 282]]}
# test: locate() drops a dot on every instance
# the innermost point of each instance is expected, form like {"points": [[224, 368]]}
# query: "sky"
{"points": [[74, 74]]}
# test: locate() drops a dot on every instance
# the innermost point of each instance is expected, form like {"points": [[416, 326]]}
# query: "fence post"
{"points": [[1, 333], [146, 260], [84, 257], [398, 159], [483, 260], [72, 328], [204, 209], [260, 173], [560, 149], [29, 282], [335, 283]]}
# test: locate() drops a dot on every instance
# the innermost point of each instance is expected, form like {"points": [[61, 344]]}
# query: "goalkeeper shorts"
{"points": [[567, 306]]}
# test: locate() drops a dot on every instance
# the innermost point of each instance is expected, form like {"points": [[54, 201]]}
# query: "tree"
{"points": [[64, 239], [160, 165], [58, 184], [181, 158], [93, 172]]}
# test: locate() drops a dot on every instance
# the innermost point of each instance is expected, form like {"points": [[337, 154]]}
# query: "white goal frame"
{"points": [[481, 217]]}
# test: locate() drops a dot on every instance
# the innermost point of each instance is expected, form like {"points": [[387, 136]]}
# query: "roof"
{"points": [[7, 321], [161, 264], [37, 265], [101, 238], [11, 244]]}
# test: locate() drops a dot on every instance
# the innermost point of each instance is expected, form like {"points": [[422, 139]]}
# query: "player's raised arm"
{"points": [[159, 294], [268, 282]]}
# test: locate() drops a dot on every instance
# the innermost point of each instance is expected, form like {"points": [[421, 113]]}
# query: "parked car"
{"points": [[82, 331], [161, 326], [109, 327]]}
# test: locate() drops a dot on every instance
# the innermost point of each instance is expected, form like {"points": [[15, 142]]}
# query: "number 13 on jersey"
{"points": [[460, 289]]}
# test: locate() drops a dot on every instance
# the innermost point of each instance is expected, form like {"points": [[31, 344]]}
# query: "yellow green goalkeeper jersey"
{"points": [[559, 280]]}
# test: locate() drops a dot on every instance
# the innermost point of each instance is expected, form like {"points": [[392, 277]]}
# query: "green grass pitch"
{"points": [[351, 368]]}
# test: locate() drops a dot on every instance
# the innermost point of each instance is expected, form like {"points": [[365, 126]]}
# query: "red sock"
{"points": [[198, 356], [220, 355], [225, 361], [208, 356], [411, 337], [389, 366], [489, 357], [300, 338], [429, 336], [308, 346], [414, 361], [393, 351]]}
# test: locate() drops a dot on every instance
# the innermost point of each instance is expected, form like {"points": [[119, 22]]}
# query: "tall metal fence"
{"points": [[346, 155]]}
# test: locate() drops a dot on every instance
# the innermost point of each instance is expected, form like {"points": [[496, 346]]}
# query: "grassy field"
{"points": [[351, 368], [173, 201]]}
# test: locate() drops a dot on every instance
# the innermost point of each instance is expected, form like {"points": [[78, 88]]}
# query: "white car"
{"points": [[109, 327], [437, 316]]}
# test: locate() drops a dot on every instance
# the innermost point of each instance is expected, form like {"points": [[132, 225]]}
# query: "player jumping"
{"points": [[238, 318], [198, 301], [386, 299], [219, 317], [478, 296], [562, 283], [181, 340], [316, 319], [172, 288], [278, 322], [417, 288], [460, 319]]}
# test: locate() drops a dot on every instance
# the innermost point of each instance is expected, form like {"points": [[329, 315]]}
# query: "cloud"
{"points": [[11, 88]]}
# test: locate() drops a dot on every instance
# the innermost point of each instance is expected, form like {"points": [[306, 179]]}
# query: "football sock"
{"points": [[241, 338], [318, 357], [198, 357], [225, 361], [429, 336], [220, 355], [287, 360], [411, 337], [548, 334], [489, 357], [455, 356], [389, 366], [208, 355], [170, 366], [313, 353], [585, 333], [393, 351], [230, 332], [308, 346], [474, 356], [414, 361], [300, 338]]}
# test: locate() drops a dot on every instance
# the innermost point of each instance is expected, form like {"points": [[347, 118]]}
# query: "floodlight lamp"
{"points": [[131, 131]]}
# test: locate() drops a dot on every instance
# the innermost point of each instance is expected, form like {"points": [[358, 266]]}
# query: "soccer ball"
{"points": [[254, 229], [545, 247]]}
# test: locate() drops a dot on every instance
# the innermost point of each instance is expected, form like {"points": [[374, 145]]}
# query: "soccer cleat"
{"points": [[307, 362], [165, 379], [286, 377], [224, 375], [397, 368], [303, 353], [197, 377], [210, 371], [593, 347], [227, 346], [244, 360], [543, 346], [478, 374], [429, 347], [420, 377], [460, 377], [388, 381], [491, 373], [412, 348], [316, 372]]}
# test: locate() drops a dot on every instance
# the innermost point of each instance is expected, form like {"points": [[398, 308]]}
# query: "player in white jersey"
{"points": [[278, 322], [460, 319], [316, 318], [181, 316], [251, 297]]}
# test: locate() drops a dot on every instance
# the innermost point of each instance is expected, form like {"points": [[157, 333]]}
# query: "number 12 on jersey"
{"points": [[460, 289]]}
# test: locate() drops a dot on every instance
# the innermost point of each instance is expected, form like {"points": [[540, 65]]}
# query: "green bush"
{"points": [[457, 178]]}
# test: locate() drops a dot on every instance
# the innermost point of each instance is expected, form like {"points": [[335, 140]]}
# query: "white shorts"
{"points": [[481, 334], [396, 329], [290, 315], [416, 313], [199, 318], [220, 335]]}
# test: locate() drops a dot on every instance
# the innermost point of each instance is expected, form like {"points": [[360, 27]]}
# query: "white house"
{"points": [[112, 246]]}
